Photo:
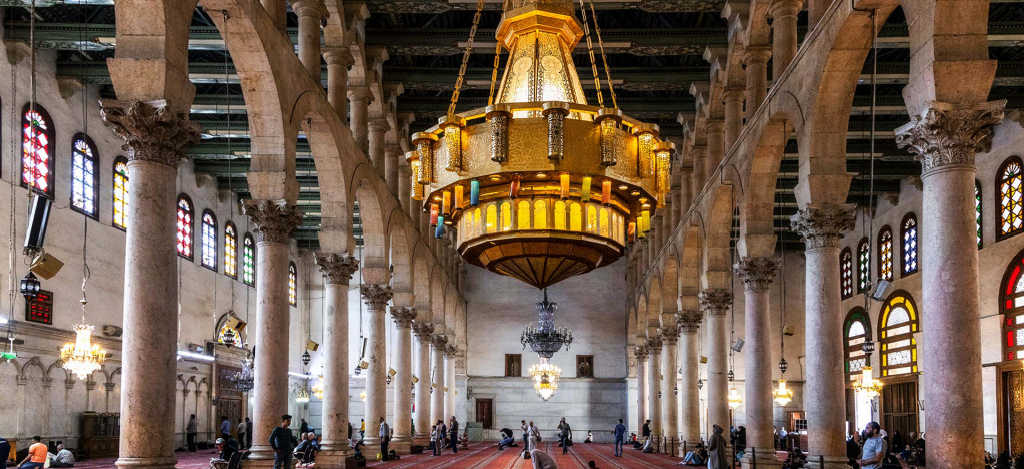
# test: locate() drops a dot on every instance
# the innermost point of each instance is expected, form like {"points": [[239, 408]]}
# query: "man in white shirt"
{"points": [[64, 458], [384, 433], [874, 447]]}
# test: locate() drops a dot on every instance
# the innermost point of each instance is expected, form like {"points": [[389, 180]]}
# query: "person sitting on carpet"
{"points": [[590, 437], [506, 439], [63, 458], [464, 440], [697, 456], [648, 446], [541, 460], [305, 453]]}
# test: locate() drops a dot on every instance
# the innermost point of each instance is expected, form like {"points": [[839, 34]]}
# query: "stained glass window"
{"points": [[863, 265], [209, 236], [897, 327], [184, 227], [977, 210], [121, 192], [1012, 307], [909, 247], [84, 177], [37, 151], [230, 250], [292, 281], [846, 273], [885, 253], [1009, 196], [248, 260], [856, 331]]}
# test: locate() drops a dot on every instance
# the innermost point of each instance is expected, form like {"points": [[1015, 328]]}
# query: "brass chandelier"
{"points": [[539, 185]]}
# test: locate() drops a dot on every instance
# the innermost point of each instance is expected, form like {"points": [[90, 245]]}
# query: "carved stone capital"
{"points": [[48, 381], [670, 334], [110, 387], [339, 56], [337, 268], [274, 219], [715, 301], [314, 8], [640, 352], [69, 383], [654, 345], [689, 321], [439, 341], [823, 225], [423, 330], [758, 55], [451, 351], [783, 8], [376, 296], [151, 130], [946, 135], [403, 316], [757, 273]]}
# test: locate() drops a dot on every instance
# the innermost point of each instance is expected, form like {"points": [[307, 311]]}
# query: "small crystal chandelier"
{"points": [[782, 395], [735, 400], [545, 378], [10, 354], [243, 380], [82, 357], [868, 384], [545, 339], [301, 395]]}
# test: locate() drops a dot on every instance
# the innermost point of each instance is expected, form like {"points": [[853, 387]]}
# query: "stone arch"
{"points": [[670, 280], [451, 299], [371, 213], [421, 280], [436, 297], [757, 214], [654, 299], [717, 226], [402, 243], [36, 363], [689, 264]]}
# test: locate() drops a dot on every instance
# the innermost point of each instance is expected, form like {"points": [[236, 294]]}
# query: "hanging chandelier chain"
{"points": [[604, 58], [465, 58], [494, 73], [590, 51]]}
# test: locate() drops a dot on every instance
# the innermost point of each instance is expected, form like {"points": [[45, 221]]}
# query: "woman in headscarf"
{"points": [[716, 450]]}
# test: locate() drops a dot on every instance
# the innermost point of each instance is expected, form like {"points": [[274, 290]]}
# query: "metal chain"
{"points": [[465, 58], [604, 58], [494, 73], [590, 50]]}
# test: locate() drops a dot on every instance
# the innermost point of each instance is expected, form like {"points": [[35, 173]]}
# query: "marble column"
{"points": [[449, 383], [359, 98], [641, 354], [309, 13], [156, 138], [946, 137], [756, 60], [654, 384], [669, 388], [403, 378], [733, 115], [423, 331], [376, 298], [784, 39], [716, 302], [437, 378], [716, 145], [689, 322], [822, 227], [392, 157], [337, 270], [338, 59], [378, 129], [757, 274], [274, 221], [278, 12]]}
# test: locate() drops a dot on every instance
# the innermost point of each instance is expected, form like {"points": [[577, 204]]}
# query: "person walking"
{"points": [[248, 432], [620, 437], [716, 450], [564, 435], [534, 437], [453, 431], [282, 441], [190, 433], [873, 451], [442, 435], [225, 427], [435, 445], [384, 433], [241, 430], [525, 428], [362, 429]]}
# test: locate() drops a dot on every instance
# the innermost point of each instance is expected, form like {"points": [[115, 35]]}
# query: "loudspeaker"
{"points": [[38, 215], [312, 346], [879, 293], [45, 265], [737, 346]]}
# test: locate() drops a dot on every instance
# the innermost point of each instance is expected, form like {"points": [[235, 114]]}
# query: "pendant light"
{"points": [[782, 395], [82, 357]]}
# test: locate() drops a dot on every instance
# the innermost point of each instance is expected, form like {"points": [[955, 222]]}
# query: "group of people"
{"points": [[873, 448], [39, 455], [446, 436]]}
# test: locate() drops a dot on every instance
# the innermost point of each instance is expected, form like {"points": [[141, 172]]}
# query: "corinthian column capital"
{"points": [[823, 225], [947, 135], [689, 321], [403, 316], [757, 273], [151, 130], [274, 219], [640, 352], [376, 296], [423, 330], [337, 268], [670, 334], [439, 341], [654, 344], [715, 301]]}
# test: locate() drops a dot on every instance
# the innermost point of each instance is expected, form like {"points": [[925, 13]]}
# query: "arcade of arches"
{"points": [[782, 224]]}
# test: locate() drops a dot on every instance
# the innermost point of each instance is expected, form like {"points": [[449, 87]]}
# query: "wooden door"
{"points": [[484, 411], [899, 407], [232, 409], [1013, 408]]}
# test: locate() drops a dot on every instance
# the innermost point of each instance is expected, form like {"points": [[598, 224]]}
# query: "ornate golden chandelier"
{"points": [[545, 378], [82, 357], [539, 185]]}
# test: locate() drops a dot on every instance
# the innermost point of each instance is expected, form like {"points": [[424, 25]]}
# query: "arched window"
{"points": [[506, 216], [559, 215], [184, 226], [602, 219], [209, 236], [540, 215], [846, 273], [248, 260], [1012, 307], [591, 219], [293, 281], [492, 218], [230, 250], [863, 265], [977, 210], [885, 253], [856, 331], [523, 215], [1008, 187], [575, 217], [121, 192], [896, 327], [37, 150], [84, 178], [908, 233]]}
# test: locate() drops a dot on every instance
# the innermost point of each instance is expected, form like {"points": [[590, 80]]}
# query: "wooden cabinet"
{"points": [[100, 434]]}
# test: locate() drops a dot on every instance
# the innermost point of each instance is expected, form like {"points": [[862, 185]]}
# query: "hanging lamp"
{"points": [[782, 395], [82, 357]]}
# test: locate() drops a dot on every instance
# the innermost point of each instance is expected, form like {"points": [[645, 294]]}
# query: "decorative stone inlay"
{"points": [[654, 345], [640, 352], [757, 273], [946, 135], [376, 296], [670, 334], [274, 219], [151, 130], [689, 321], [423, 330], [823, 225], [337, 268], [715, 301], [403, 316]]}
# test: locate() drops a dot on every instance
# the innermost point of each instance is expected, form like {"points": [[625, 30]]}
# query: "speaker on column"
{"points": [[38, 215]]}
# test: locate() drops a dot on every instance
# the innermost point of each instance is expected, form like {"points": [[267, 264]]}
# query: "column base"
{"points": [[401, 444], [147, 463], [827, 462], [421, 439], [261, 453], [332, 458], [764, 458], [371, 446]]}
